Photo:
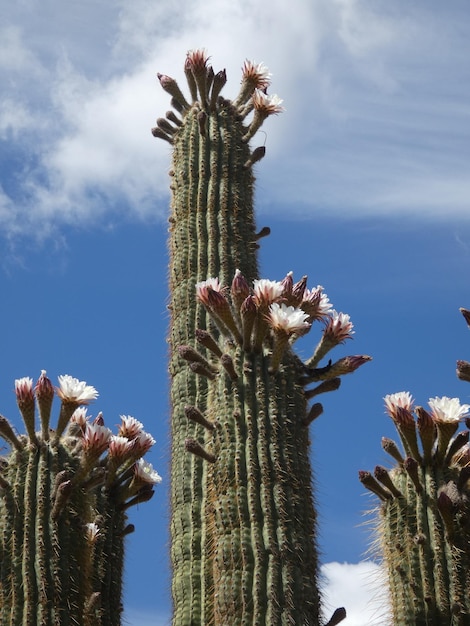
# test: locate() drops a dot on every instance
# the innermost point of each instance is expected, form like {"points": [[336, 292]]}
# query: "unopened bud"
{"points": [[194, 447]]}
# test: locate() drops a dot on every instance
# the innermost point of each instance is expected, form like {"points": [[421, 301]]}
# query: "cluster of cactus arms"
{"points": [[423, 521], [243, 520], [64, 494]]}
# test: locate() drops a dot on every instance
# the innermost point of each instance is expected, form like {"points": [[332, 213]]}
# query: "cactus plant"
{"points": [[423, 521], [243, 521], [64, 496]]}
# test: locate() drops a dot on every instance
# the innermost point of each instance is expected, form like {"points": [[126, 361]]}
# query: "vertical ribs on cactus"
{"points": [[64, 494], [423, 520], [243, 525]]}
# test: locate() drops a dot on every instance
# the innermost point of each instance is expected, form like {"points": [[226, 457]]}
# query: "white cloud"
{"points": [[376, 99], [359, 587]]}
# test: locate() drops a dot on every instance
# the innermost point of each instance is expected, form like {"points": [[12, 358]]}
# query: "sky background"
{"points": [[365, 185]]}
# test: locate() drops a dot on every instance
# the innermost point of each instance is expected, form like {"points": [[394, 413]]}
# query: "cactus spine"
{"points": [[63, 509], [243, 520], [423, 521]]}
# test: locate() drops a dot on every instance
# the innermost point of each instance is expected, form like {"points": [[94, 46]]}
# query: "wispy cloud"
{"points": [[376, 119]]}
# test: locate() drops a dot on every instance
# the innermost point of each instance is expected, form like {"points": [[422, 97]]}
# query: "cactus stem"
{"points": [[178, 106], [165, 126], [219, 81], [194, 414], [324, 387], [192, 356], [445, 431], [170, 115], [463, 370], [202, 121], [373, 485], [201, 370], [171, 86], [229, 367], [264, 232], [66, 412], [64, 491], [392, 449], [7, 432], [160, 134], [206, 340], [248, 316], [194, 447], [411, 466], [315, 411], [456, 444], [383, 476], [338, 616], [257, 154]]}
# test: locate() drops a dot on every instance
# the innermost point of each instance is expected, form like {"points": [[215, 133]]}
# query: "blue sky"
{"points": [[366, 187]]}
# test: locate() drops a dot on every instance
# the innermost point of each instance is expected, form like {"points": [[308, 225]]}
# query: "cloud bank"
{"points": [[376, 97]]}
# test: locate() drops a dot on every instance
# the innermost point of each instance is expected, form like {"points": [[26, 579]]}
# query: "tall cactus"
{"points": [[243, 522], [64, 494], [423, 522]]}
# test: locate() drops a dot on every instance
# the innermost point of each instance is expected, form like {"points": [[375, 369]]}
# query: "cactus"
{"points": [[243, 521], [423, 522], [422, 525], [63, 508]]}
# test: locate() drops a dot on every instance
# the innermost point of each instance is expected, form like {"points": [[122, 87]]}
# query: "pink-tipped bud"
{"points": [[298, 291], [287, 285], [240, 289], [44, 388], [24, 390]]}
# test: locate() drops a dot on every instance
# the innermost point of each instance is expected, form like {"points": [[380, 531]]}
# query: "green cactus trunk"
{"points": [[62, 517], [243, 523], [211, 223], [423, 523]]}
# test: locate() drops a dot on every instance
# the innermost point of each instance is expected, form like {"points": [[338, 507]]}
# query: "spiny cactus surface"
{"points": [[243, 520], [423, 522], [64, 494]]}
